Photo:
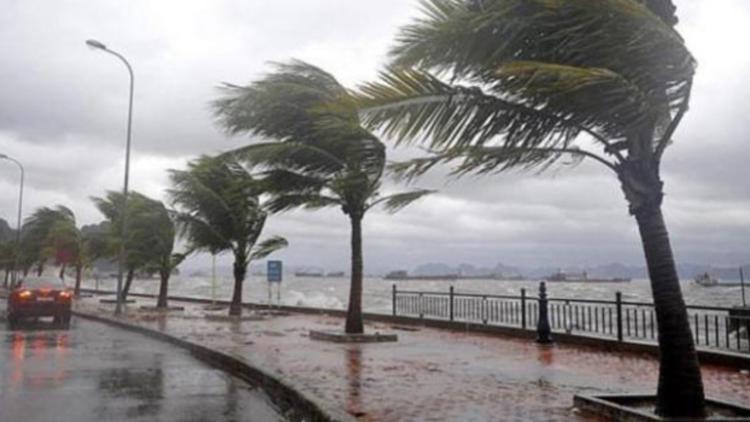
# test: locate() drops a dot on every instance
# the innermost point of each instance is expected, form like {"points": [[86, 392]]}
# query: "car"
{"points": [[36, 297]]}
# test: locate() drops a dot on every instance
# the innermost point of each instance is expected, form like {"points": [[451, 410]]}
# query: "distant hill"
{"points": [[687, 271], [6, 232]]}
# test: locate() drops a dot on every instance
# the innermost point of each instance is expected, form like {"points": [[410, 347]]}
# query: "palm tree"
{"points": [[148, 231], [165, 261], [498, 85], [219, 210], [7, 254], [35, 236], [70, 246], [318, 154]]}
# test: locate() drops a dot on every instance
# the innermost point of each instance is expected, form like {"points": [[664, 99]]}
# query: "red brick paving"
{"points": [[430, 374]]}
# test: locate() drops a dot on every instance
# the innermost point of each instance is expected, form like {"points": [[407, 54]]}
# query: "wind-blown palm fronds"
{"points": [[218, 210], [314, 153]]}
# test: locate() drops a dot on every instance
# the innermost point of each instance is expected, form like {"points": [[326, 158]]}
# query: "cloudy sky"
{"points": [[63, 109]]}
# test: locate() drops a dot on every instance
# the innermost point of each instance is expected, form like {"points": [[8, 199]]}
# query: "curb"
{"points": [[293, 404]]}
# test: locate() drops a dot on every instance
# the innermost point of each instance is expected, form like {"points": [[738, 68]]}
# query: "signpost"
{"points": [[274, 276]]}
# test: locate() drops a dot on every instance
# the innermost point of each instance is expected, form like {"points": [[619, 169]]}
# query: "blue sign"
{"points": [[273, 273]]}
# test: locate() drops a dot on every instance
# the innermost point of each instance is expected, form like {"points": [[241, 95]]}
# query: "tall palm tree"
{"points": [[219, 210], [318, 154], [500, 84]]}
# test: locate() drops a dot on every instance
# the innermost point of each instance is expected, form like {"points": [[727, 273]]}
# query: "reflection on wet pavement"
{"points": [[94, 372], [430, 374]]}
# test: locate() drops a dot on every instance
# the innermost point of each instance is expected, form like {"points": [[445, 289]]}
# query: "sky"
{"points": [[63, 110]]}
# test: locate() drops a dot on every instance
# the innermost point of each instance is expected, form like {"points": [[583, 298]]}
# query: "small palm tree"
{"points": [[148, 232], [319, 155], [218, 210], [164, 260], [497, 85], [35, 240], [70, 247]]}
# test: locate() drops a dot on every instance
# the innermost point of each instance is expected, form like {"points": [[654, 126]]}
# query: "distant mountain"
{"points": [[433, 269], [686, 271], [466, 270], [6, 232]]}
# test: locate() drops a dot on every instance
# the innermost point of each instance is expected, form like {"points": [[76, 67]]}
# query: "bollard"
{"points": [[523, 309], [394, 300], [450, 309], [542, 328], [618, 305]]}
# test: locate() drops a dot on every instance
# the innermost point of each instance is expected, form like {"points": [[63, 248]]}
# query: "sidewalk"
{"points": [[429, 374]]}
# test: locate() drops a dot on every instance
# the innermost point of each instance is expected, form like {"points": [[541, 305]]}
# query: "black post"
{"points": [[618, 304], [451, 303], [742, 283], [523, 308], [542, 328], [484, 310], [421, 309], [394, 300]]}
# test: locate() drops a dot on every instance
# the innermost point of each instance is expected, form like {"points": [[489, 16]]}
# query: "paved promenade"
{"points": [[429, 374]]}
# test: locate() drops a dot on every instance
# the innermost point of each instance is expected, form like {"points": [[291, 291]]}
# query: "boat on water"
{"points": [[309, 274], [706, 280], [404, 275], [563, 277]]}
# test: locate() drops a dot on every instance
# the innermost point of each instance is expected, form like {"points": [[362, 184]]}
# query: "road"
{"points": [[94, 372]]}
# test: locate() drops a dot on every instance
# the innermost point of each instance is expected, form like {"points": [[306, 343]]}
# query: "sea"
{"points": [[333, 292]]}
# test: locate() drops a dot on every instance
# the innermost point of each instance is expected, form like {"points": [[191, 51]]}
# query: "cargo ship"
{"points": [[562, 277], [404, 275]]}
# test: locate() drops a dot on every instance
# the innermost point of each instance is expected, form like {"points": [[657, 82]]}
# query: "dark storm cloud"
{"points": [[62, 112]]}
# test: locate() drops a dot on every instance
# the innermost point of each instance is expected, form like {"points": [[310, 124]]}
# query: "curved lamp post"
{"points": [[18, 222], [123, 211]]}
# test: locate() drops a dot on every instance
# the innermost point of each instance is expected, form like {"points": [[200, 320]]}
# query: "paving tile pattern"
{"points": [[429, 374]]}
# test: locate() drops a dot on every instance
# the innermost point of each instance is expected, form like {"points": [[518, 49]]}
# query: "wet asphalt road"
{"points": [[94, 372]]}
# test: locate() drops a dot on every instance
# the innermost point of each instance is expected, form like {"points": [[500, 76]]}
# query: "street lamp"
{"points": [[18, 222], [123, 211]]}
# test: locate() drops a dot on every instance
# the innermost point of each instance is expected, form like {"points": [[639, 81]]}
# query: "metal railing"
{"points": [[719, 328]]}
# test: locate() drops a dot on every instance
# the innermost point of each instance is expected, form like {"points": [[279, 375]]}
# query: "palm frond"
{"points": [[267, 247], [312, 201], [410, 105], [296, 156], [279, 105], [471, 38], [589, 97], [396, 202]]}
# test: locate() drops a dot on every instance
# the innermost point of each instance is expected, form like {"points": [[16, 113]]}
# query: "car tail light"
{"points": [[64, 295], [25, 294]]}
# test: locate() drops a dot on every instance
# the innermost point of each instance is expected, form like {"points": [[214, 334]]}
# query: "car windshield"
{"points": [[42, 282]]}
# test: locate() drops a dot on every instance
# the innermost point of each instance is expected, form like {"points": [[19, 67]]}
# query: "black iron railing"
{"points": [[712, 327]]}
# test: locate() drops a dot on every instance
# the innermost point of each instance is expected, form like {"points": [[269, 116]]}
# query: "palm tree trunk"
{"points": [[680, 392], [354, 324], [240, 270], [161, 302], [79, 271], [128, 282]]}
